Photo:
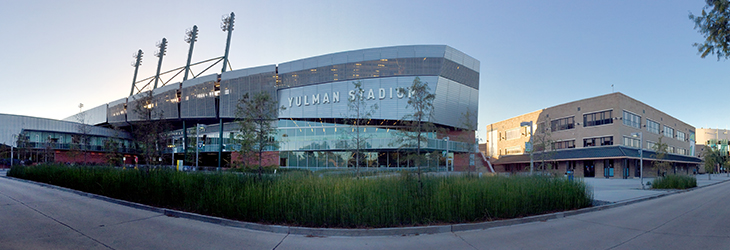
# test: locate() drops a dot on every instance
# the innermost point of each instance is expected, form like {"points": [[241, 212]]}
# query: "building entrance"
{"points": [[589, 169]]}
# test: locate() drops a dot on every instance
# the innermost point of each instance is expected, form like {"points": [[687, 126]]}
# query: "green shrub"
{"points": [[318, 200], [675, 182]]}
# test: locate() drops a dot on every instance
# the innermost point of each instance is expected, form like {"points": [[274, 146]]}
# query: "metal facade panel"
{"points": [[462, 58], [116, 113], [135, 107], [233, 89], [198, 101], [324, 61], [388, 53], [354, 56], [12, 125], [406, 52], [300, 101], [339, 58], [323, 90], [247, 72], [200, 80], [311, 62], [429, 50], [452, 101], [165, 105], [96, 115], [371, 54], [166, 88]]}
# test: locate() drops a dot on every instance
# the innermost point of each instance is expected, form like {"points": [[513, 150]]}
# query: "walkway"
{"points": [[36, 217]]}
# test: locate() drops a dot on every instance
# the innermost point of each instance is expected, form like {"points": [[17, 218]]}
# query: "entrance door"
{"points": [[589, 169]]}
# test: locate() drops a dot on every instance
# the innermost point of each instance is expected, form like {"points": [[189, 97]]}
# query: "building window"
{"points": [[681, 136], [652, 126], [564, 144], [598, 141], [512, 134], [668, 132], [651, 145], [632, 120], [681, 151], [562, 124], [513, 150], [670, 150], [598, 118], [631, 142]]}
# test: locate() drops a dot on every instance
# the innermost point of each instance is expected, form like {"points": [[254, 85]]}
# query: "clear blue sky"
{"points": [[534, 54]]}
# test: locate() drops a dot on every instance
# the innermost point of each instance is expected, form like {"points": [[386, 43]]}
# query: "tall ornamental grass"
{"points": [[302, 199], [675, 182]]}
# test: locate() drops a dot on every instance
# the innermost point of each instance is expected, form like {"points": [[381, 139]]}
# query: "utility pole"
{"points": [[135, 64], [160, 53], [227, 26], [532, 147], [191, 38]]}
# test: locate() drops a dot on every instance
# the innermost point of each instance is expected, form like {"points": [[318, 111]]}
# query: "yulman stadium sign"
{"points": [[370, 94]]}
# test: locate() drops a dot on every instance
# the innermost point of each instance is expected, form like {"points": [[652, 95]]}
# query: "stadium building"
{"points": [[314, 93]]}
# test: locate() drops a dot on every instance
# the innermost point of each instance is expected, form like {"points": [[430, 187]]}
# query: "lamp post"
{"points": [[11, 149], [641, 156], [525, 124], [197, 146], [446, 139]]}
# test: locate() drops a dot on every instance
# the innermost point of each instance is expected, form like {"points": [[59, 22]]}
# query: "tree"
{"points": [[83, 136], [191, 145], [543, 146], [714, 25], [711, 158], [256, 117], [150, 135], [24, 147], [660, 150], [417, 124], [359, 114], [112, 147]]}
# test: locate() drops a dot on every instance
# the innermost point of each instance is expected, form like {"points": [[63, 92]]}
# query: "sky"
{"points": [[533, 54]]}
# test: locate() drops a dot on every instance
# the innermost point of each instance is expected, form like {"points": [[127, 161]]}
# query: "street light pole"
{"points": [[11, 150], [197, 147], [446, 139], [532, 147], [641, 156]]}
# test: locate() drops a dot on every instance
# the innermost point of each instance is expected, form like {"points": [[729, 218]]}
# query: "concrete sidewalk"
{"points": [[618, 190]]}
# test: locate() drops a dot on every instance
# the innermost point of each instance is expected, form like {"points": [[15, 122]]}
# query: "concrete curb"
{"points": [[393, 231]]}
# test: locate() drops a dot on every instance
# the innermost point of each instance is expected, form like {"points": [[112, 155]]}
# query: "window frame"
{"points": [[649, 124], [564, 123], [665, 131], [630, 121], [598, 118]]}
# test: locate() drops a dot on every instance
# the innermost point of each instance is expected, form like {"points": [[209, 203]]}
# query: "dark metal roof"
{"points": [[594, 153]]}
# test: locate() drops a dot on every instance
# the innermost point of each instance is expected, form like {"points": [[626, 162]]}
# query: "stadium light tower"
{"points": [[227, 26], [135, 64], [191, 38], [162, 46]]}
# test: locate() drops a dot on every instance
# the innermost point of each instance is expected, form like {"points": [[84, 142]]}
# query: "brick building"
{"points": [[594, 137]]}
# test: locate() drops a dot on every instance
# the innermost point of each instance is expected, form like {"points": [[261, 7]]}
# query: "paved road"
{"points": [[34, 217]]}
